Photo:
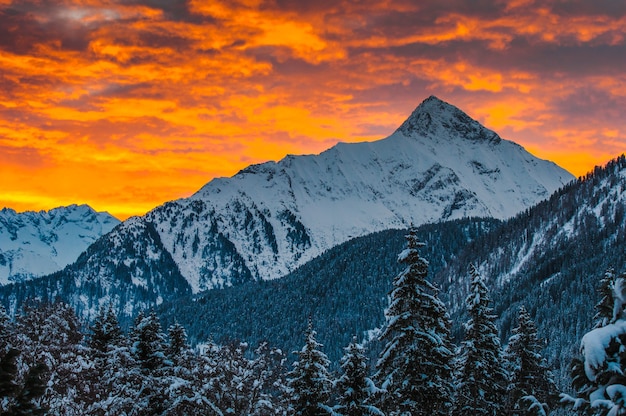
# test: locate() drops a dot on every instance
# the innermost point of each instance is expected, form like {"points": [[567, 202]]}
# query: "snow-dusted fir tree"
{"points": [[354, 387], [599, 374], [105, 331], [148, 341], [531, 390], [481, 378], [309, 381], [415, 366], [605, 308]]}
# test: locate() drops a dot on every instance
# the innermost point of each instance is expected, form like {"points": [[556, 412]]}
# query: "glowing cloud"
{"points": [[124, 105]]}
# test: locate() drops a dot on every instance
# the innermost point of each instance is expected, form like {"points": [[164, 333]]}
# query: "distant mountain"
{"points": [[34, 244], [268, 219]]}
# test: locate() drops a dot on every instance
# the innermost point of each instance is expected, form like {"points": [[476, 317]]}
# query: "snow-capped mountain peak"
{"points": [[434, 118], [33, 243], [272, 217]]}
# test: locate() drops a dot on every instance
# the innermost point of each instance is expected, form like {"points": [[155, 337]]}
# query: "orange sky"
{"points": [[124, 105]]}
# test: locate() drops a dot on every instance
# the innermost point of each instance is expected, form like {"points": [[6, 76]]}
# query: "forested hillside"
{"points": [[551, 259], [344, 291]]}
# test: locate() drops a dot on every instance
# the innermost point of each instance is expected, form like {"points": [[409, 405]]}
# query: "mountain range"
{"points": [[34, 244], [271, 218]]}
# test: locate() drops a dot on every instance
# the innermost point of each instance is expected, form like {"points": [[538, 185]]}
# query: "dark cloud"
{"points": [[175, 10], [610, 8], [590, 103], [21, 31]]}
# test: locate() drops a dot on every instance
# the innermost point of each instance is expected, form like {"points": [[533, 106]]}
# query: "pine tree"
{"points": [[415, 366], [531, 389], [51, 335], [148, 341], [148, 349], [309, 382], [355, 388], [26, 402], [177, 336], [8, 375], [481, 382], [105, 331], [604, 308], [598, 375]]}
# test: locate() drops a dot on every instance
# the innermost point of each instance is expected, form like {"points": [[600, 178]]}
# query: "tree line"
{"points": [[48, 365]]}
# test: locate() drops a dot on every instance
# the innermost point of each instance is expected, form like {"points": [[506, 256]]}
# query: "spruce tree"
{"points": [[148, 342], [605, 313], [531, 390], [177, 345], [355, 388], [415, 366], [8, 375], [27, 400], [309, 382], [481, 381], [148, 348], [598, 375], [105, 331]]}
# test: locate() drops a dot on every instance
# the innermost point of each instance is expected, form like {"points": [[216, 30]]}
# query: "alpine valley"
{"points": [[269, 219]]}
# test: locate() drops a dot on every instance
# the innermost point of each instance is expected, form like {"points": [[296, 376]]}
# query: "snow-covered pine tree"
{"points": [[309, 381], [148, 341], [27, 401], [605, 307], [148, 348], [598, 375], [177, 336], [415, 366], [105, 331], [531, 390], [51, 335], [481, 379], [355, 388], [9, 373]]}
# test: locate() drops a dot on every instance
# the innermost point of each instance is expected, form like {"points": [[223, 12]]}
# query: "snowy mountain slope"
{"points": [[272, 217], [34, 244], [131, 274], [550, 259]]}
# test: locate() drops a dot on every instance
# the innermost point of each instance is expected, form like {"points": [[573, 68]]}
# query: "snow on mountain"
{"points": [[270, 218], [34, 244], [550, 259]]}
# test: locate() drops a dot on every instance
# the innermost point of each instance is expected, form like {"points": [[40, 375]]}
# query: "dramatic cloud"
{"points": [[127, 104]]}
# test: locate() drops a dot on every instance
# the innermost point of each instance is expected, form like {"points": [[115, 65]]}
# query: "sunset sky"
{"points": [[124, 105]]}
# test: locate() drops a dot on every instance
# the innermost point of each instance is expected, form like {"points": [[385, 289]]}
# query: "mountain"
{"points": [[34, 244], [549, 258], [270, 218]]}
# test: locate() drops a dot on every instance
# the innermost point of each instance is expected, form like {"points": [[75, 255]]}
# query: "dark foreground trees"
{"points": [[415, 366], [482, 379], [144, 371]]}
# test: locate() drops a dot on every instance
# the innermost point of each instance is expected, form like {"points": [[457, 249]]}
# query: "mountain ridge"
{"points": [[270, 218], [37, 243]]}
